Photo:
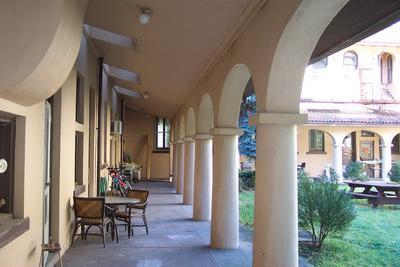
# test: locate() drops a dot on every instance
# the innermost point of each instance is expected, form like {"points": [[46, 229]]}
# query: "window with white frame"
{"points": [[386, 64], [316, 141], [350, 60], [162, 131]]}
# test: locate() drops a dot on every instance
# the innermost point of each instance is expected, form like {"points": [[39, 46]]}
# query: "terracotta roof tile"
{"points": [[329, 116]]}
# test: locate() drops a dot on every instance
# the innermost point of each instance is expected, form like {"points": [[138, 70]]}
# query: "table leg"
{"points": [[367, 189], [59, 256]]}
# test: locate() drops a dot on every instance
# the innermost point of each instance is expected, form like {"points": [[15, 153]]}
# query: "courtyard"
{"points": [[372, 239]]}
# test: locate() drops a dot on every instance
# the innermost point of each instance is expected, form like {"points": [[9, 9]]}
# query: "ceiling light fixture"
{"points": [[146, 95], [144, 16]]}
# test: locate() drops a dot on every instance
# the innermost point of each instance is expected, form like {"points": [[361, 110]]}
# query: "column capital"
{"points": [[278, 118], [180, 141], [226, 131], [188, 139], [386, 145], [338, 145], [203, 137]]}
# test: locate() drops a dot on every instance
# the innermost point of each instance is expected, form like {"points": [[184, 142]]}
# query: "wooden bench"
{"points": [[384, 200], [362, 196]]}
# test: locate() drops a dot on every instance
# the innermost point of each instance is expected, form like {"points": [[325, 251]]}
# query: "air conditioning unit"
{"points": [[116, 127]]}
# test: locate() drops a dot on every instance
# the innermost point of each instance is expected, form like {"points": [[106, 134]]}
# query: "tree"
{"points": [[324, 209], [247, 142]]}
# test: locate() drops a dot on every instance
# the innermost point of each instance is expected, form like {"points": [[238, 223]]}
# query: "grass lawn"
{"points": [[372, 240]]}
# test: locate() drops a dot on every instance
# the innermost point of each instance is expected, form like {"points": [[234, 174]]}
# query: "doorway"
{"points": [[47, 177], [7, 137]]}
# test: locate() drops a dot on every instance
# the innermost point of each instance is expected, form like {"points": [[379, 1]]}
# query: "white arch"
{"points": [[231, 95], [190, 123], [176, 131], [381, 138], [205, 120], [182, 128], [44, 63], [293, 53]]}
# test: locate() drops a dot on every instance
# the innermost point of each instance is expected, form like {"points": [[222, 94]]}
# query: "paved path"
{"points": [[173, 240]]}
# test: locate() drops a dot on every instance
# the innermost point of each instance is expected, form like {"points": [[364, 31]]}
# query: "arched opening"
{"points": [[203, 161], [395, 150], [182, 128], [247, 156], [205, 120], [364, 146], [226, 160], [315, 16], [231, 96], [190, 123], [386, 67]]}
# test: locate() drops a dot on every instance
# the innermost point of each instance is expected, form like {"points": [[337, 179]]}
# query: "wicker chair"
{"points": [[135, 210], [91, 212]]}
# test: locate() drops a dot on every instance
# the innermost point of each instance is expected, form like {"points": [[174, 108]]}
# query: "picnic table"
{"points": [[384, 193]]}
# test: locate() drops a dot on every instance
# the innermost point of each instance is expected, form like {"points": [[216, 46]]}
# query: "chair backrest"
{"points": [[140, 194], [89, 207]]}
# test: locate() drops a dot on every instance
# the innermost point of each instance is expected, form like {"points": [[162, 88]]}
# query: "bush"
{"points": [[301, 174], [394, 173], [324, 210], [355, 171], [247, 180]]}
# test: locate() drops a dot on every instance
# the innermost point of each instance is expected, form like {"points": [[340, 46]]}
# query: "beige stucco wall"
{"points": [[25, 250], [343, 84], [315, 163], [139, 130]]}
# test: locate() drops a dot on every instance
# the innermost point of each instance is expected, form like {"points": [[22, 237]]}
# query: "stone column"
{"points": [[275, 225], [180, 166], [386, 161], [225, 195], [337, 160], [202, 178], [189, 172]]}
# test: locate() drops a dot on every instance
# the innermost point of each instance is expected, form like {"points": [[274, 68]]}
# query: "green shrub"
{"points": [[247, 180], [355, 171], [394, 173], [324, 210], [301, 173]]}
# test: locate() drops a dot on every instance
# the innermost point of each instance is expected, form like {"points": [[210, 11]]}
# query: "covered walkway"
{"points": [[174, 239]]}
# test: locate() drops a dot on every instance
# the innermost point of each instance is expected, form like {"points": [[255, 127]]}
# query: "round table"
{"points": [[115, 200]]}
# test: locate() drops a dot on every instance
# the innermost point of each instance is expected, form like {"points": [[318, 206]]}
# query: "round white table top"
{"points": [[116, 200]]}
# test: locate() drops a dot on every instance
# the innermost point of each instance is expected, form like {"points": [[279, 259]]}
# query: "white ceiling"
{"points": [[171, 51]]}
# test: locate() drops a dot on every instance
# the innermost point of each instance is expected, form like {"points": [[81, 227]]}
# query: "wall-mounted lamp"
{"points": [[144, 16], [145, 95]]}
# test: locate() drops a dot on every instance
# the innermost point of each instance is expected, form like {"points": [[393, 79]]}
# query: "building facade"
{"points": [[353, 105]]}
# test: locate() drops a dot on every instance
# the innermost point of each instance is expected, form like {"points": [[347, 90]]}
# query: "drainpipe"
{"points": [[100, 100], [122, 134]]}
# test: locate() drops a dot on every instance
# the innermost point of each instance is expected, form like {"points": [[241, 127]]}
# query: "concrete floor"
{"points": [[174, 240]]}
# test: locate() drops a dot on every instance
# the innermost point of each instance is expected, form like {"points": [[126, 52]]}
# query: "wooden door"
{"points": [[7, 135]]}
